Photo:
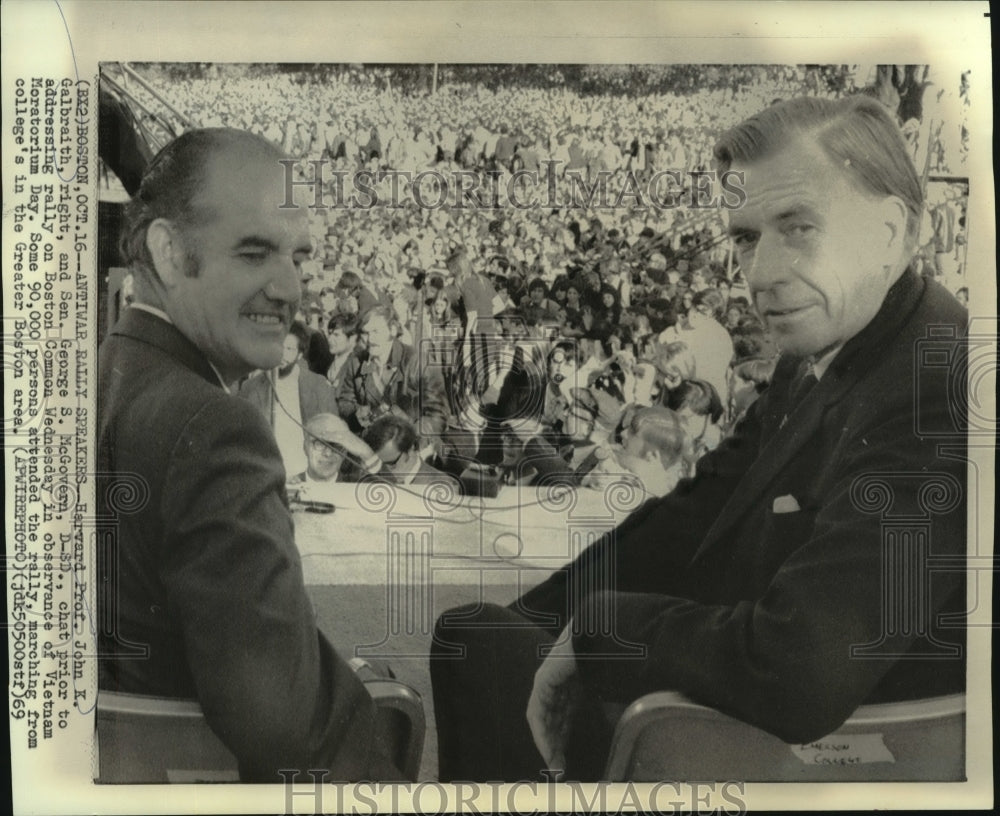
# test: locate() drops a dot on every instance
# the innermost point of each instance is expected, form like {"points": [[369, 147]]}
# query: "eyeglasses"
{"points": [[322, 446]]}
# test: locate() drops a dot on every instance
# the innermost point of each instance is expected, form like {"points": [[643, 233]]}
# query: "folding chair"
{"points": [[665, 736], [142, 740]]}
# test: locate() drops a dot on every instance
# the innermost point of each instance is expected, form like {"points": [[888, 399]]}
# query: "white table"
{"points": [[385, 534]]}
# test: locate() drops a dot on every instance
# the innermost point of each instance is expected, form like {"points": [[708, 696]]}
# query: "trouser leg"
{"points": [[480, 698]]}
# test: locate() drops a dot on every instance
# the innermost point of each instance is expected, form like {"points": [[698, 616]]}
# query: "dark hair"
{"points": [[538, 283], [661, 429], [698, 395], [170, 184], [713, 299], [661, 313], [391, 428], [348, 324], [857, 133], [350, 281], [749, 340], [301, 335]]}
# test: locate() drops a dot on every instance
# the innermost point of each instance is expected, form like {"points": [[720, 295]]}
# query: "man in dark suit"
{"points": [[201, 592], [394, 440], [761, 586]]}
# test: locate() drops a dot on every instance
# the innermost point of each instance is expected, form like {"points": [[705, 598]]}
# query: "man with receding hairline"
{"points": [[761, 586], [201, 593]]}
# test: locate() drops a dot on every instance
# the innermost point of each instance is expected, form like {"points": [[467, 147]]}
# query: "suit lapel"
{"points": [[781, 446], [148, 328], [782, 437]]}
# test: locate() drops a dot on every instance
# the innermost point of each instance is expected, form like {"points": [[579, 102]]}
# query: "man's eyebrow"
{"points": [[735, 230], [260, 242], [797, 210], [256, 242]]}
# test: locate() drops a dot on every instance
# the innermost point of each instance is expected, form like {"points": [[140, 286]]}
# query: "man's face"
{"points": [[290, 352], [562, 367], [700, 315], [324, 459], [347, 303], [694, 424], [399, 463], [339, 342], [248, 254], [379, 337], [644, 387], [816, 251]]}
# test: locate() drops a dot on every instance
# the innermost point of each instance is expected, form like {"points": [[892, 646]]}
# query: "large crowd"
{"points": [[587, 335]]}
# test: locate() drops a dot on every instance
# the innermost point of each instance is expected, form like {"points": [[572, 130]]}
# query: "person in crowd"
{"points": [[479, 329], [394, 439], [699, 409], [538, 304], [747, 587], [652, 444], [563, 453], [289, 396], [342, 337], [333, 455], [202, 596], [386, 377], [353, 297], [710, 345]]}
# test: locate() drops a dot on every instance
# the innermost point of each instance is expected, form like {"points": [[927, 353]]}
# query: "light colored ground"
{"points": [[382, 567]]}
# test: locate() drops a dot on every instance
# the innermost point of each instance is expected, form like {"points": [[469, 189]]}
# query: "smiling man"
{"points": [[201, 593], [761, 586]]}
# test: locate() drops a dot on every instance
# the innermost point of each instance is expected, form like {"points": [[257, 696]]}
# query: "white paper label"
{"points": [[850, 749]]}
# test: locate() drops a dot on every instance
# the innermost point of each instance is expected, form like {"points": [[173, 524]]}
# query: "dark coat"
{"points": [[785, 619], [201, 592]]}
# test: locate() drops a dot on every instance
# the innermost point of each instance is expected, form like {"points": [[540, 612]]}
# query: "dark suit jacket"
{"points": [[785, 619], [316, 395], [428, 474], [201, 592]]}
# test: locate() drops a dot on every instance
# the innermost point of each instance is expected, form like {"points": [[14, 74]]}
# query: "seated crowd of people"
{"points": [[520, 343], [576, 346], [626, 365]]}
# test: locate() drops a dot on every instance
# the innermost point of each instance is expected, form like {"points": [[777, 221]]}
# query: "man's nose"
{"points": [[285, 284], [768, 266]]}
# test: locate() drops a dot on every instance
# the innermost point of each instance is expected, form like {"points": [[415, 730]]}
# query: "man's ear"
{"points": [[893, 216], [166, 250]]}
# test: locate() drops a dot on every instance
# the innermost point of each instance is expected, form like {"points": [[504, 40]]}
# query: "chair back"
{"points": [[148, 740], [665, 736]]}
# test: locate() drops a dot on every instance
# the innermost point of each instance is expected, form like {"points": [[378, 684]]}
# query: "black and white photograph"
{"points": [[584, 417]]}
